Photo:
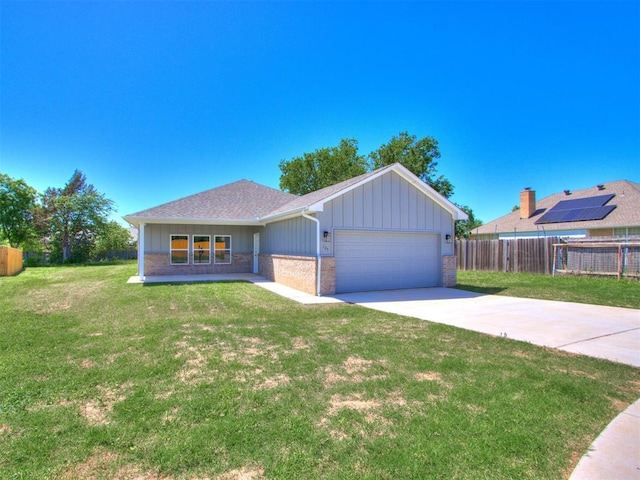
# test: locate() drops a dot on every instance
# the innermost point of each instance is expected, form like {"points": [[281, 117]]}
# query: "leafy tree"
{"points": [[464, 228], [113, 236], [73, 216], [417, 155], [328, 166], [17, 202], [322, 168]]}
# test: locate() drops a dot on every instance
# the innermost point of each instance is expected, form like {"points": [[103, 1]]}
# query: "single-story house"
{"points": [[386, 229], [605, 210]]}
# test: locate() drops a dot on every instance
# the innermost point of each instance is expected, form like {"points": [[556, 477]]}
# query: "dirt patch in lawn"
{"points": [[97, 410], [353, 370], [247, 350], [354, 402], [374, 424], [104, 464], [273, 382], [195, 361], [244, 473], [52, 299]]}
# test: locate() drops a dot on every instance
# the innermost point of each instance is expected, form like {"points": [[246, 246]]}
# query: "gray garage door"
{"points": [[383, 261]]}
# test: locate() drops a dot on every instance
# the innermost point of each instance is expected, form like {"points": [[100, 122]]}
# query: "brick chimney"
{"points": [[527, 203]]}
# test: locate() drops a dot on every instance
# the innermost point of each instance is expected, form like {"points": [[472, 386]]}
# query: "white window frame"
{"points": [[217, 250], [171, 249], [194, 251]]}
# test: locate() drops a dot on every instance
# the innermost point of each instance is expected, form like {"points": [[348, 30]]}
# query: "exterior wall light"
{"points": [[448, 238], [326, 236]]}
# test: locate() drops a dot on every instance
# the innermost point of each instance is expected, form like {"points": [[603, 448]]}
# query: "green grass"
{"points": [[100, 379], [579, 289]]}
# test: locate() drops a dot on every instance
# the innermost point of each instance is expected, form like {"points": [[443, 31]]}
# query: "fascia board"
{"points": [[193, 221], [284, 215], [431, 193]]}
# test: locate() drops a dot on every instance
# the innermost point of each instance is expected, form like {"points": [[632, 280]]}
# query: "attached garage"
{"points": [[370, 260]]}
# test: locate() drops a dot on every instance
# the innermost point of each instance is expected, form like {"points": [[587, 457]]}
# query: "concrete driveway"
{"points": [[604, 332]]}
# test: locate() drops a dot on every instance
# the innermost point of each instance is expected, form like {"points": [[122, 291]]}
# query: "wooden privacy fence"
{"points": [[533, 255], [10, 261]]}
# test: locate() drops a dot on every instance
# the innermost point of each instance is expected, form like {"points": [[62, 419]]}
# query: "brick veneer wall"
{"points": [[328, 276], [294, 271], [158, 264], [449, 271]]}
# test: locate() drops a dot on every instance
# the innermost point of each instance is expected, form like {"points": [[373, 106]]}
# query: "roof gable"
{"points": [[315, 201]]}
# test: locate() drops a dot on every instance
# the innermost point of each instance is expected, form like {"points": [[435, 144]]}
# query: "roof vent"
{"points": [[567, 192], [600, 186]]}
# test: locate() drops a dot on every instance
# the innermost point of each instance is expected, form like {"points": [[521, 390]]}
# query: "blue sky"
{"points": [[157, 100]]}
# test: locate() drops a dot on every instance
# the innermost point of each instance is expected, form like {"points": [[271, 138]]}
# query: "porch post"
{"points": [[141, 252]]}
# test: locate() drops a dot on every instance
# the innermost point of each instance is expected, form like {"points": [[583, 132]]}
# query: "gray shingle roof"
{"points": [[249, 203], [238, 201], [626, 213]]}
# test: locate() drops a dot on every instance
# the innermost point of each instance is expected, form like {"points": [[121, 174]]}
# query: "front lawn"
{"points": [[100, 379], [580, 289]]}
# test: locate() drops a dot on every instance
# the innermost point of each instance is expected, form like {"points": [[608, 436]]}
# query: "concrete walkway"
{"points": [[277, 288], [615, 454], [604, 332]]}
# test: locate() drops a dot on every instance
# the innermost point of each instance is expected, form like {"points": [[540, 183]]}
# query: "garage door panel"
{"points": [[380, 260]]}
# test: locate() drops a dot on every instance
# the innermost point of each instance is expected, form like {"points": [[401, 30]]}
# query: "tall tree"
{"points": [[322, 168], [112, 237], [17, 202], [464, 228], [417, 155], [74, 215]]}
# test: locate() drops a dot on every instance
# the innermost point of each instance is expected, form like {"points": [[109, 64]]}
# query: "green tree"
{"points": [[322, 168], [328, 166], [464, 228], [113, 236], [73, 216], [418, 156], [17, 203]]}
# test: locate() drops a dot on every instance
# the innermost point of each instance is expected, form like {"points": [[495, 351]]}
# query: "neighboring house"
{"points": [[382, 230], [605, 210]]}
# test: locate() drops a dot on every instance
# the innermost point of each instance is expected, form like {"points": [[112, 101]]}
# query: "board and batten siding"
{"points": [[294, 236], [387, 203], [157, 237]]}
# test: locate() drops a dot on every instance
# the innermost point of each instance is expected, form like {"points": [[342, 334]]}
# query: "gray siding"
{"points": [[388, 203], [156, 239], [295, 236]]}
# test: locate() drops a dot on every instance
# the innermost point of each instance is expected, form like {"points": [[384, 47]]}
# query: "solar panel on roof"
{"points": [[552, 217], [597, 201], [594, 213], [578, 210]]}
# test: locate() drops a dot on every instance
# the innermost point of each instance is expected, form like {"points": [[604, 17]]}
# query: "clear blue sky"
{"points": [[157, 100]]}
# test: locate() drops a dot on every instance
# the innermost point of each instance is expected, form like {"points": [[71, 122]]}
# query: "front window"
{"points": [[179, 249], [222, 252], [201, 249]]}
